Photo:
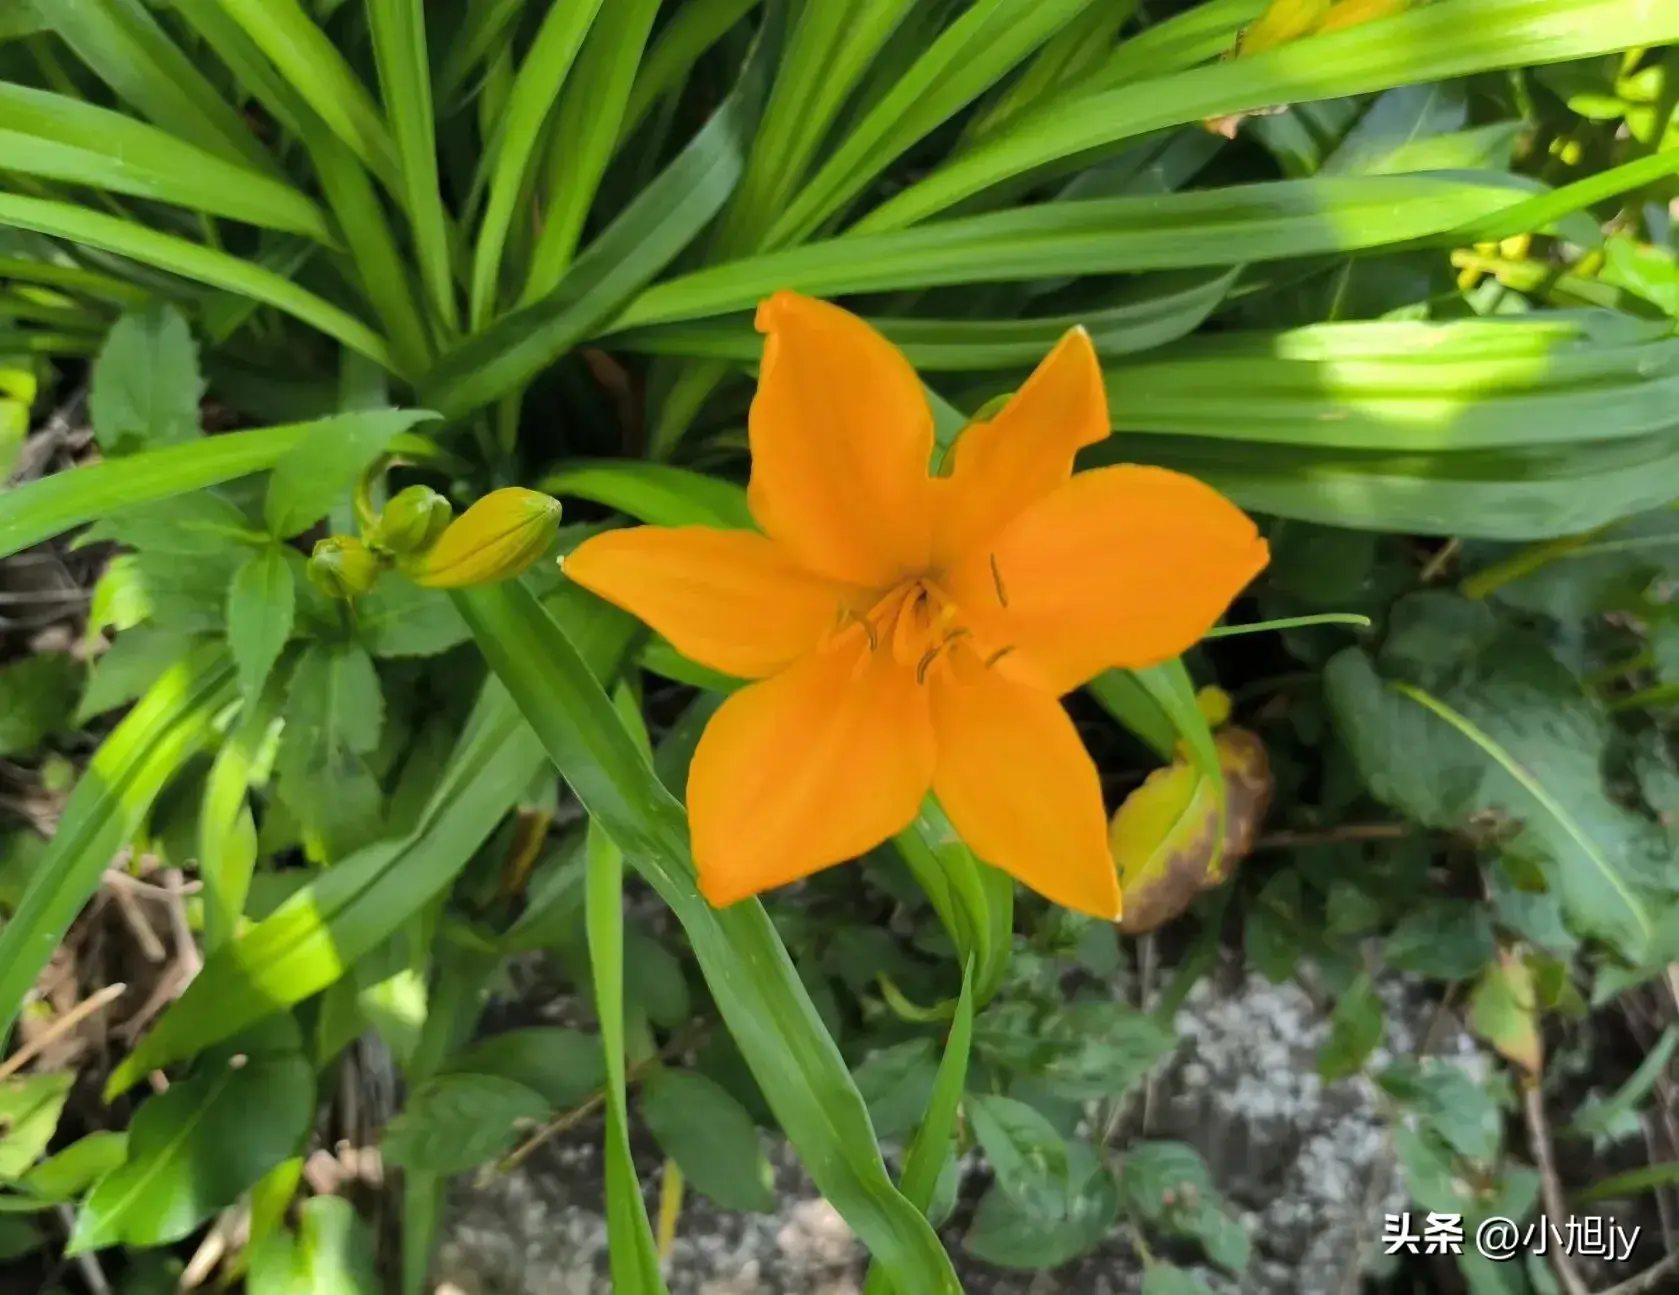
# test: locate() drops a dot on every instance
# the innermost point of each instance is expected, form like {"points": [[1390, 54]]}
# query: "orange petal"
{"points": [[1019, 786], [730, 600], [841, 436], [1122, 566], [808, 769], [1001, 467]]}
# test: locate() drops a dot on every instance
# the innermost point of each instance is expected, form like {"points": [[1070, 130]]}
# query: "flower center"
{"points": [[919, 622]]}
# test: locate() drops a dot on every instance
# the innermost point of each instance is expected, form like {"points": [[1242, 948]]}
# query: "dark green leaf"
{"points": [[1154, 1176], [1355, 1028], [1011, 1237], [194, 1148], [653, 980], [711, 1137], [563, 1065], [1168, 1279], [1446, 1100], [397, 618], [146, 385], [334, 713], [1027, 1155], [459, 1121], [37, 697], [1445, 939], [316, 474], [897, 1083], [260, 604]]}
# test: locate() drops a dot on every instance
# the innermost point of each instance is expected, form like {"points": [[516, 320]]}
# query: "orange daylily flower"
{"points": [[910, 632]]}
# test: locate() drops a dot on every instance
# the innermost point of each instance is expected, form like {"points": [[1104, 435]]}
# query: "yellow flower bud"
{"points": [[495, 539], [343, 567], [1282, 21], [412, 521], [1353, 13]]}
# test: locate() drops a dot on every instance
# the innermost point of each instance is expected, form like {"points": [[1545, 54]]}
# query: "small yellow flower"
{"points": [[496, 539], [412, 521], [341, 566], [910, 632]]}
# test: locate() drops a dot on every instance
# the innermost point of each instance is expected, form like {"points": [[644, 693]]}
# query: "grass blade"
{"points": [[1431, 43], [55, 504], [127, 50], [692, 30], [399, 47], [66, 139], [309, 60], [663, 220], [584, 136], [763, 1002], [171, 723], [488, 26], [536, 88], [191, 261]]}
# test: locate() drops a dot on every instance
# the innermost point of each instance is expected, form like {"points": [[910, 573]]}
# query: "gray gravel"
{"points": [[1308, 1166]]}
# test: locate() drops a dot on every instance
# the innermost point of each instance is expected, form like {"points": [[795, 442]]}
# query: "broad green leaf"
{"points": [[29, 1109], [563, 1065], [767, 1009], [1447, 1100], [310, 61], [260, 604], [1355, 1028], [69, 1173], [647, 235], [128, 668], [1027, 1155], [334, 713], [195, 1147], [1010, 1236], [1169, 1279], [323, 928], [139, 758], [1444, 939], [1153, 1174], [318, 470], [507, 161], [399, 47], [146, 385], [458, 1121], [191, 261], [710, 1136], [1284, 219], [1429, 43], [127, 49], [398, 618], [1503, 729], [37, 698], [332, 1254]]}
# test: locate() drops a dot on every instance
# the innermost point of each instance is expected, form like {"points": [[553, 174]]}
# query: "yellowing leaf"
{"points": [[1351, 13], [1502, 1011], [1282, 21], [1164, 837]]}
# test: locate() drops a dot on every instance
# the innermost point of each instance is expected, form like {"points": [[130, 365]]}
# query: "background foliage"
{"points": [[1421, 321]]}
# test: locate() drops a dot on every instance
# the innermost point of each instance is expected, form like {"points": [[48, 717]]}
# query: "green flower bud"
{"points": [[495, 539], [412, 521], [343, 567]]}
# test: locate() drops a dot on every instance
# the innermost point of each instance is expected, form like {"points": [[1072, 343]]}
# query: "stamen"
{"points": [[998, 655], [931, 656], [997, 580]]}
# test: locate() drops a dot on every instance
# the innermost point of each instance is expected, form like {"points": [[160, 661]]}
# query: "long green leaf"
{"points": [[1429, 43], [170, 724], [62, 138], [633, 1253], [1475, 384], [1151, 311], [312, 64], [191, 261], [1209, 227], [52, 505], [664, 218], [399, 46], [934, 1143], [131, 53], [693, 29], [488, 25], [508, 162], [972, 54], [763, 1002]]}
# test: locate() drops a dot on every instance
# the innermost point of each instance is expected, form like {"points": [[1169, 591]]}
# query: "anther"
{"points": [[997, 580], [998, 655], [931, 655]]}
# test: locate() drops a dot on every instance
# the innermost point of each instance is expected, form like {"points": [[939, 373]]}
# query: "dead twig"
{"points": [[1343, 835], [1550, 1186], [88, 1264], [60, 1026], [1649, 1281]]}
